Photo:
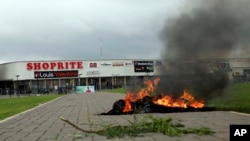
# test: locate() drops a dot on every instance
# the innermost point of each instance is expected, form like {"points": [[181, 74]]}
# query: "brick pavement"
{"points": [[42, 123]]}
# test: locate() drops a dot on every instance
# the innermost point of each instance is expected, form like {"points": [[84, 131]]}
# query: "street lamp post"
{"points": [[37, 83], [9, 91], [17, 87]]}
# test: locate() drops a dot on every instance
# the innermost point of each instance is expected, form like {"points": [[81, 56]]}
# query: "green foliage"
{"points": [[150, 124], [235, 98], [12, 106]]}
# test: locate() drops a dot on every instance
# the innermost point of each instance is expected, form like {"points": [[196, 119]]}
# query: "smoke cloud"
{"points": [[193, 41]]}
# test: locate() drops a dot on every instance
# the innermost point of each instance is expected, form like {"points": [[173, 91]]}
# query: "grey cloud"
{"points": [[61, 29]]}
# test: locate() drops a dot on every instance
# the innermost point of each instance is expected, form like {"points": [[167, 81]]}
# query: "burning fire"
{"points": [[184, 101]]}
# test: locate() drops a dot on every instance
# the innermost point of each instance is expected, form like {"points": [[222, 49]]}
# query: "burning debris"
{"points": [[206, 30], [147, 101], [209, 30]]}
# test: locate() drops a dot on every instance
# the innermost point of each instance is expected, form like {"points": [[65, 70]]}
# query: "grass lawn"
{"points": [[15, 105], [236, 98]]}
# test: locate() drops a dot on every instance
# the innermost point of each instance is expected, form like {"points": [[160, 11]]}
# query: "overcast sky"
{"points": [[83, 29]]}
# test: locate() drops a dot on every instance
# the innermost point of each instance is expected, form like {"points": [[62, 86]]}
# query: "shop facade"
{"points": [[54, 76], [57, 76]]}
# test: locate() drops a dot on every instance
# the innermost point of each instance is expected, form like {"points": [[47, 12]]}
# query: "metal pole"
{"points": [[29, 88], [37, 85], [17, 87], [9, 91]]}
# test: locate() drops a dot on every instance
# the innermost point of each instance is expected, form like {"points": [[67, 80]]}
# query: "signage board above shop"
{"points": [[158, 63], [62, 65], [128, 64], [93, 65], [93, 72], [55, 74], [117, 64], [143, 66], [105, 64]]}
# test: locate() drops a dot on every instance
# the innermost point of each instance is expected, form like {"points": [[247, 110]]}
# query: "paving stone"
{"points": [[43, 123]]}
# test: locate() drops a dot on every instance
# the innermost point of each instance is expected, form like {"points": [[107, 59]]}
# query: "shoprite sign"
{"points": [[66, 65], [55, 74]]}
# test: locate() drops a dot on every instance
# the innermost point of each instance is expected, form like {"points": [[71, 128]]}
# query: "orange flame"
{"points": [[184, 101]]}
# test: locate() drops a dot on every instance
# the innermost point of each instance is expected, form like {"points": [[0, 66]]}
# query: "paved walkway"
{"points": [[43, 124]]}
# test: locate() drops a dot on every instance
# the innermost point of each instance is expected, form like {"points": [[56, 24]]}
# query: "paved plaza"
{"points": [[42, 123]]}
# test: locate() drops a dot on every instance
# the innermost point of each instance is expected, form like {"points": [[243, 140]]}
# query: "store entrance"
{"points": [[94, 82]]}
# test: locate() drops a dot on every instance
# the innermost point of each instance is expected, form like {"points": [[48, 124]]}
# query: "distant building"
{"points": [[57, 75]]}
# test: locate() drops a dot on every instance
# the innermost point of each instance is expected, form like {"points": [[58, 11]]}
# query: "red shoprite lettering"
{"points": [[54, 65]]}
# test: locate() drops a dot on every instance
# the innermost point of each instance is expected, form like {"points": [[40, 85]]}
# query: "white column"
{"points": [[125, 82], [100, 83]]}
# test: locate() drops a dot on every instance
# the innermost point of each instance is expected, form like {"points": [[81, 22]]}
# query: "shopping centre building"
{"points": [[31, 76], [53, 75]]}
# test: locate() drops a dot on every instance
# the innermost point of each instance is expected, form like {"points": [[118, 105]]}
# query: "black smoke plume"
{"points": [[197, 38]]}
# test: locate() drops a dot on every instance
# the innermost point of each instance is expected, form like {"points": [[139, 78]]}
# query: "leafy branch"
{"points": [[148, 124]]}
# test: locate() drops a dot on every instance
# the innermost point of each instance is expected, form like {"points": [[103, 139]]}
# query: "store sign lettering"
{"points": [[129, 63], [54, 65], [93, 65], [118, 64], [94, 72], [144, 66], [105, 64], [55, 74]]}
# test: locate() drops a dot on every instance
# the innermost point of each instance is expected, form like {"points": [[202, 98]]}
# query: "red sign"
{"points": [[55, 74], [93, 65], [54, 65]]}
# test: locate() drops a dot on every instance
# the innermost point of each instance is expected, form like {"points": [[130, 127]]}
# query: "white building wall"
{"points": [[103, 68], [10, 70]]}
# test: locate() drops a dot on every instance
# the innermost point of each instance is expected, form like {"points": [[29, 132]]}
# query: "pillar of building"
{"points": [[59, 82], [112, 81], [14, 85], [30, 84], [125, 82], [73, 82], [86, 81], [100, 83], [45, 83]]}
